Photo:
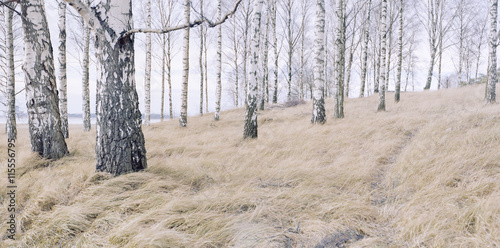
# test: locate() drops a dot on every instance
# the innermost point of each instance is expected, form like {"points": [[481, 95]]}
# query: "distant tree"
{"points": [[275, 49], [218, 89], [203, 37], [397, 96], [492, 70], [319, 115], [265, 64], [250, 129], [147, 73], [185, 63], [85, 77], [364, 65], [47, 138]]}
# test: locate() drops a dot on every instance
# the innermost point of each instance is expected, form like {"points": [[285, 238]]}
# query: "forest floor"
{"points": [[425, 173]]}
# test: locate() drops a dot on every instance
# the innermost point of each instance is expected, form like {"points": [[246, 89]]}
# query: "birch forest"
{"points": [[250, 123]]}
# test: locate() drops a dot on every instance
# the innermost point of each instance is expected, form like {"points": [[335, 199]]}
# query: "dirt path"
{"points": [[380, 197]]}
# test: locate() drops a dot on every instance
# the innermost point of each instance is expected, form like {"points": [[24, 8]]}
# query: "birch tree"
{"points": [[120, 141], [185, 64], [85, 78], [275, 49], [63, 90], [400, 53], [340, 59], [492, 70], [202, 45], [147, 73], [250, 128], [218, 89], [11, 76], [365, 49], [265, 65], [383, 28], [44, 119], [319, 115]]}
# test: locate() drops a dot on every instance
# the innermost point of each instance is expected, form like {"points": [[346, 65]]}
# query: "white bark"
{"points": [[185, 70], [218, 89], [202, 73], [63, 89], [44, 119], [383, 30], [120, 142], [400, 53], [276, 55], [365, 51], [319, 115], [147, 73], [492, 73], [340, 59], [85, 79], [265, 66], [250, 129], [11, 79]]}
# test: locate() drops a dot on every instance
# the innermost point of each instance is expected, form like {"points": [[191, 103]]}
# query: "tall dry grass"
{"points": [[426, 173]]}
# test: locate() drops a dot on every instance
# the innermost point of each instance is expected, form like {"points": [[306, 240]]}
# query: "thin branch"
{"points": [[183, 26]]}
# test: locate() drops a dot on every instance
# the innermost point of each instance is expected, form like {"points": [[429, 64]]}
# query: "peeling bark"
{"points": [[250, 129], [44, 119], [383, 30], [397, 96], [11, 79], [185, 70], [365, 51], [492, 80], [85, 79], [63, 89], [319, 114], [218, 89], [147, 73]]}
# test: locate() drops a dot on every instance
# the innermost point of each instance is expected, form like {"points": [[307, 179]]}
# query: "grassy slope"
{"points": [[425, 173]]}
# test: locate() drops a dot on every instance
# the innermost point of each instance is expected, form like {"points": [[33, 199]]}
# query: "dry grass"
{"points": [[426, 173]]}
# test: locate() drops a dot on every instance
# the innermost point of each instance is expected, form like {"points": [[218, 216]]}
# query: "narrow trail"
{"points": [[379, 196]]}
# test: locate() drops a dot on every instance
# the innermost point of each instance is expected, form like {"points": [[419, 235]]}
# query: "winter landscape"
{"points": [[249, 123]]}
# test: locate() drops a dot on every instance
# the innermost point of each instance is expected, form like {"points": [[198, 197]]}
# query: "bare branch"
{"points": [[195, 23]]}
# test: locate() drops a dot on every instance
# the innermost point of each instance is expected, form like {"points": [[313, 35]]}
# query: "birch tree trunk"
{"points": [[44, 119], [319, 115], [169, 75], [218, 89], [236, 66], [85, 79], [63, 89], [276, 57], [11, 79], [147, 73], [383, 31], [400, 53], [250, 129], [185, 70], [265, 67], [202, 74], [365, 51], [340, 60], [492, 80], [432, 22], [120, 142], [289, 7]]}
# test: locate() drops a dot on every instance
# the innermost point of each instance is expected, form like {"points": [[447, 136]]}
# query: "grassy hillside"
{"points": [[426, 173]]}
